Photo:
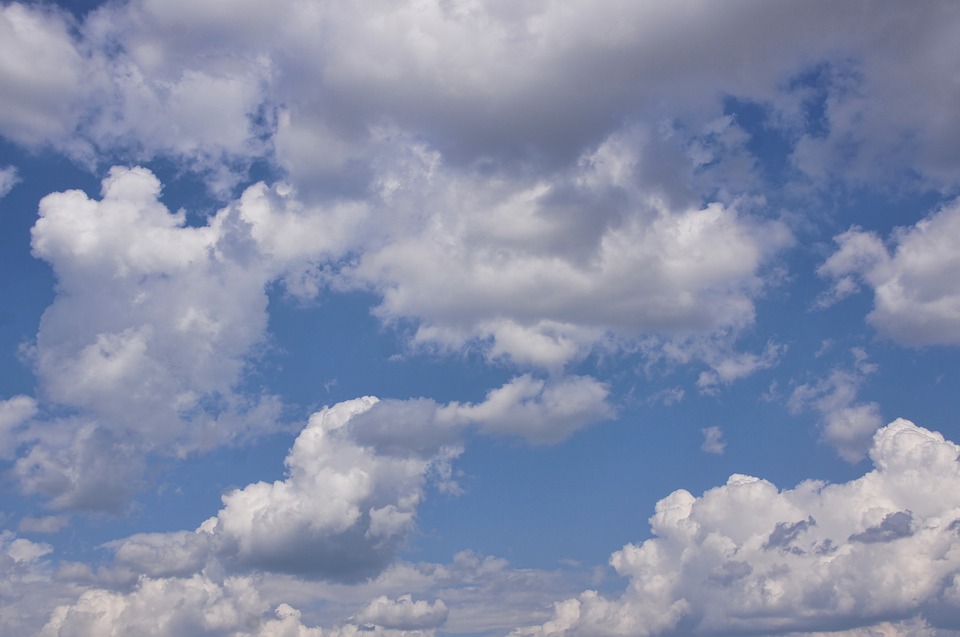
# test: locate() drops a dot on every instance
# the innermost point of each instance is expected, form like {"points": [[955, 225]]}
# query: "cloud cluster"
{"points": [[747, 557], [916, 292], [356, 476], [461, 116], [146, 341]]}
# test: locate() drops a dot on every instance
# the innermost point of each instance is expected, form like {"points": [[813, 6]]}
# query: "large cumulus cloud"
{"points": [[356, 476], [749, 558]]}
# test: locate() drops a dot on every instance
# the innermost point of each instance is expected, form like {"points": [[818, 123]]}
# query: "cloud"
{"points": [[541, 272], [404, 613], [876, 551], [713, 440], [146, 340], [539, 411], [43, 524], [367, 507], [480, 594], [14, 413], [44, 77], [916, 296], [847, 424], [8, 179], [356, 476]]}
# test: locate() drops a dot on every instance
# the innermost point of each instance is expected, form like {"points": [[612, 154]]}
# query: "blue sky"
{"points": [[437, 317]]}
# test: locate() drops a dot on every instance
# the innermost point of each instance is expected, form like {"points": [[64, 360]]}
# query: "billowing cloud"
{"points": [[44, 75], [747, 556], [848, 425], [146, 339], [14, 413], [356, 476], [916, 293]]}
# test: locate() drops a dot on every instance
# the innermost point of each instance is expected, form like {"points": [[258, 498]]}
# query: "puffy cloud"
{"points": [[542, 271], [147, 337], [404, 613], [533, 84], [916, 295], [848, 425], [540, 411], [341, 513], [874, 551], [29, 591], [8, 179], [14, 413], [43, 73], [160, 607], [356, 476]]}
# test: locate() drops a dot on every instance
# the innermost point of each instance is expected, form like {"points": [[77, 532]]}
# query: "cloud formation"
{"points": [[916, 293], [747, 556]]}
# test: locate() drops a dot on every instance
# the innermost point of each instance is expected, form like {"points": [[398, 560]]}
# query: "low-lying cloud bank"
{"points": [[878, 555]]}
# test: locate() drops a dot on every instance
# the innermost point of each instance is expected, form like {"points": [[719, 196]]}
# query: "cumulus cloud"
{"points": [[14, 412], [356, 476], [877, 551], [847, 424], [44, 75], [480, 594], [916, 295], [643, 225], [404, 613], [367, 506], [147, 337]]}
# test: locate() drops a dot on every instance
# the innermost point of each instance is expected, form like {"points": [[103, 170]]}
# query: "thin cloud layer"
{"points": [[747, 557]]}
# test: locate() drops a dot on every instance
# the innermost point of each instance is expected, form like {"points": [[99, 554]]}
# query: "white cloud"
{"points": [[8, 179], [161, 607], [14, 413], [149, 333], [847, 424], [480, 594], [356, 476], [748, 556], [713, 440], [916, 292], [540, 272], [539, 411], [404, 613], [43, 73], [341, 513]]}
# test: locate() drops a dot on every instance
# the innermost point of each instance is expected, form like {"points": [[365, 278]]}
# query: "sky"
{"points": [[527, 318]]}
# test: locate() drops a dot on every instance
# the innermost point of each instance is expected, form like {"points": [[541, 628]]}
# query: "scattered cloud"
{"points": [[713, 440], [8, 179]]}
